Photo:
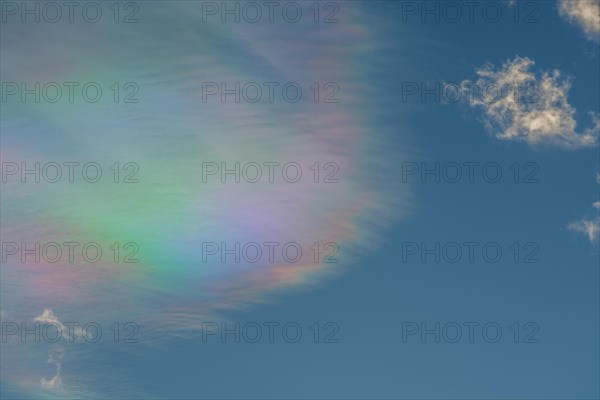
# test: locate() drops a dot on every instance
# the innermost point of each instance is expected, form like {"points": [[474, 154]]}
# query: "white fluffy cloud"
{"points": [[520, 105], [585, 13]]}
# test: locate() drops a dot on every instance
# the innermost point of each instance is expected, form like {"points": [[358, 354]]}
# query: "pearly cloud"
{"points": [[171, 212], [585, 13], [520, 105]]}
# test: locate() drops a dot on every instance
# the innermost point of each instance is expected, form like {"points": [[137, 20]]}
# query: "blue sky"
{"points": [[543, 290]]}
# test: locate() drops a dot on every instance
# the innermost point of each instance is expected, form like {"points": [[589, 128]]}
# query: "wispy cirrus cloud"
{"points": [[535, 109]]}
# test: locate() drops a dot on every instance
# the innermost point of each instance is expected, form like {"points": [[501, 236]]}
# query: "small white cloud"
{"points": [[522, 106], [54, 358], [587, 226], [48, 317], [590, 226], [585, 13]]}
